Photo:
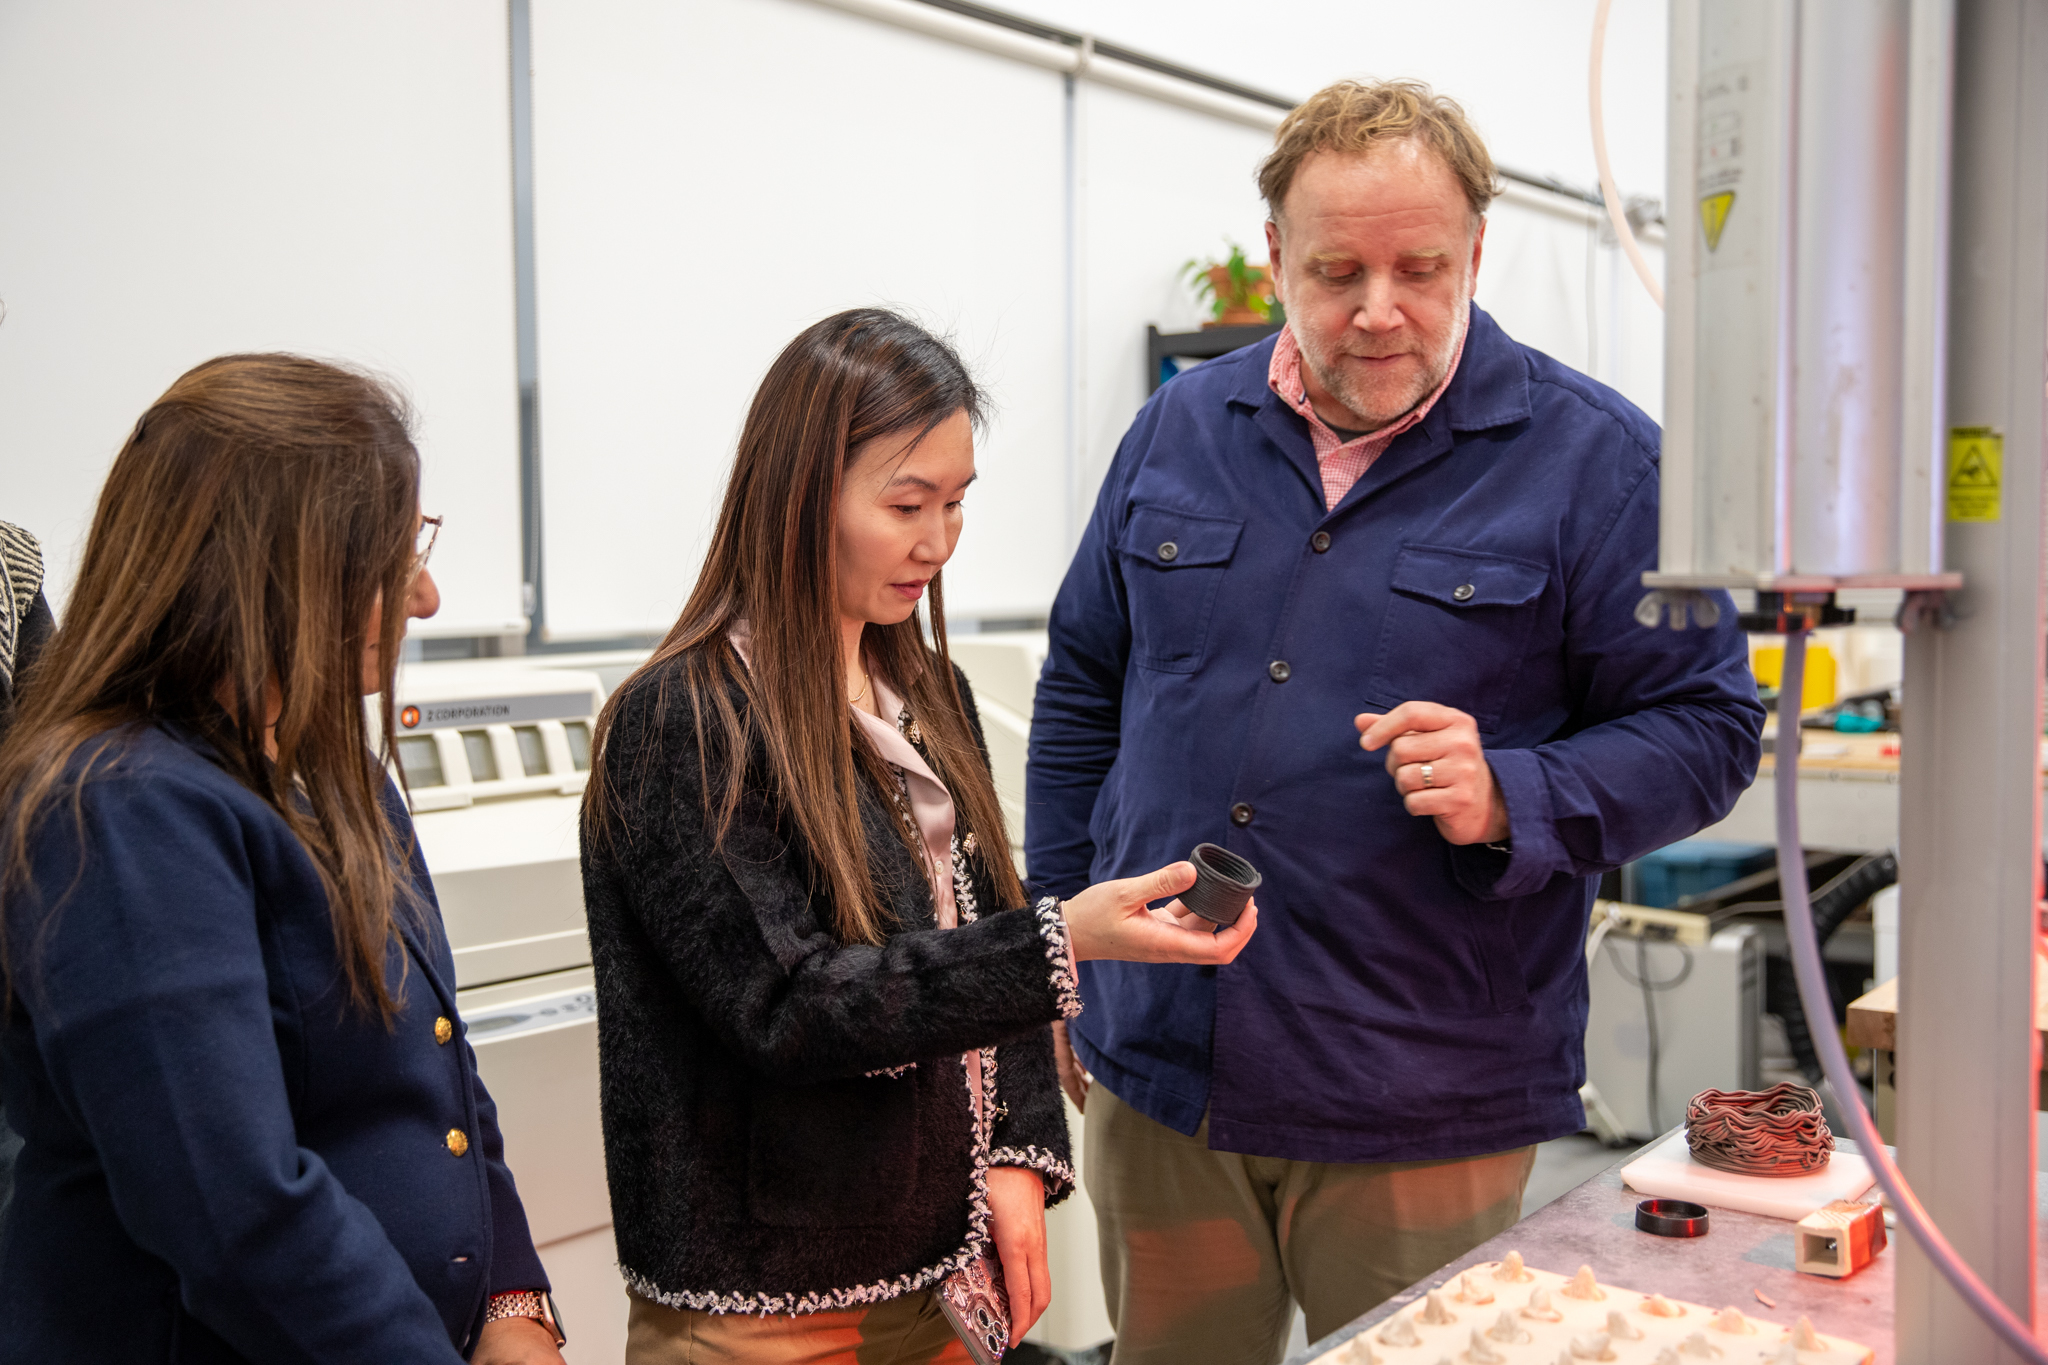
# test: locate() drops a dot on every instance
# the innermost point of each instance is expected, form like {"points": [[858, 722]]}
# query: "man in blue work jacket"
{"points": [[1390, 528]]}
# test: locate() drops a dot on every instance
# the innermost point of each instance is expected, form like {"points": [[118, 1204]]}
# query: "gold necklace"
{"points": [[865, 683]]}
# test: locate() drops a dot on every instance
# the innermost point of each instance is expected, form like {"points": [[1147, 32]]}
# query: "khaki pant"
{"points": [[910, 1330], [1204, 1253]]}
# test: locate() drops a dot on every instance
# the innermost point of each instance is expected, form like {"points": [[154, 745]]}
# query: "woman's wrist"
{"points": [[1059, 954], [531, 1304], [1055, 1177]]}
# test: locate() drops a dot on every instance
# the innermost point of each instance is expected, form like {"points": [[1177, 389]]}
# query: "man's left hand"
{"points": [[1438, 767]]}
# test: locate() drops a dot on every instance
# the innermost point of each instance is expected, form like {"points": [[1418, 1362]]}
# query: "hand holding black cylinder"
{"points": [[1224, 882]]}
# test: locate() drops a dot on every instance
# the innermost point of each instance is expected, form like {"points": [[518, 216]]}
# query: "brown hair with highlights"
{"points": [[247, 532], [1354, 116]]}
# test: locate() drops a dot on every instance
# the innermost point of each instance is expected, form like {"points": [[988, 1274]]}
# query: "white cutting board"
{"points": [[1669, 1172]]}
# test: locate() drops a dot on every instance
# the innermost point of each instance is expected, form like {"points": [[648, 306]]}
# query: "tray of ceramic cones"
{"points": [[1507, 1313]]}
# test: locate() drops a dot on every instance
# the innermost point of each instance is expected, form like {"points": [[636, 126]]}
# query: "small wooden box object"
{"points": [[1838, 1239]]}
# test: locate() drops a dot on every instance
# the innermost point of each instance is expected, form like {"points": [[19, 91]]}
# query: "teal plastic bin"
{"points": [[1691, 866]]}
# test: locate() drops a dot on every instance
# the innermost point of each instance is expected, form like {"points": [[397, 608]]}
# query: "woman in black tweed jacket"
{"points": [[823, 1003]]}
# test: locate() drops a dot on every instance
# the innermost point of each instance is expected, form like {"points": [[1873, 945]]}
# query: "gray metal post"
{"points": [[1970, 798], [519, 15]]}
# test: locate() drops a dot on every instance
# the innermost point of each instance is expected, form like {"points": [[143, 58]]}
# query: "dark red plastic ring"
{"points": [[1672, 1218]]}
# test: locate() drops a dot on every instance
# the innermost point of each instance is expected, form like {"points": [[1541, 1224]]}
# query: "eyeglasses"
{"points": [[429, 532]]}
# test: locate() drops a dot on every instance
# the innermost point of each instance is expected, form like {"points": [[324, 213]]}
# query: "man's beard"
{"points": [[1382, 410]]}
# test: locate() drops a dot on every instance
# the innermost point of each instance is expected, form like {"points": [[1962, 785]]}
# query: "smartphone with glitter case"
{"points": [[978, 1308]]}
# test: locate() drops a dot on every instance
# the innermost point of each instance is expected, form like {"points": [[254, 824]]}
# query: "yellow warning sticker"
{"points": [[1976, 463], [1714, 216]]}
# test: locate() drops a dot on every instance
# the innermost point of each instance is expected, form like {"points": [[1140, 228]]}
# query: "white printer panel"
{"points": [[496, 755], [536, 1048]]}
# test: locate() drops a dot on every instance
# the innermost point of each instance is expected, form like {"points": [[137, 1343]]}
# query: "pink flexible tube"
{"points": [[1834, 1060], [1608, 192]]}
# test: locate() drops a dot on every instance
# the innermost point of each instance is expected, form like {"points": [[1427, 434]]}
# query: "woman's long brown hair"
{"points": [[842, 383], [250, 526]]}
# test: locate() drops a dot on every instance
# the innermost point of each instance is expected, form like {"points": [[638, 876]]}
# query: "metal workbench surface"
{"points": [[1741, 1256]]}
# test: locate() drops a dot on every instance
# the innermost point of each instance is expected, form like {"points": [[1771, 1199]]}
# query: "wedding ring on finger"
{"points": [[1429, 774]]}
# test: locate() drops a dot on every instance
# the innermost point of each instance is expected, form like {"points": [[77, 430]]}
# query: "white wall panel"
{"points": [[178, 181], [1535, 274], [1163, 185], [1554, 279], [1632, 341], [711, 178]]}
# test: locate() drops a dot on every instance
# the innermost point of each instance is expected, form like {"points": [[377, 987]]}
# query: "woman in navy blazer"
{"points": [[254, 1130]]}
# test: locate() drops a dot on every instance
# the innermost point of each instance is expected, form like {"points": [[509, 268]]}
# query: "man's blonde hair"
{"points": [[1355, 116]]}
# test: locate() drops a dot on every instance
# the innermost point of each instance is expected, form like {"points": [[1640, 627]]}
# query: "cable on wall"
{"points": [[1060, 49], [1609, 195]]}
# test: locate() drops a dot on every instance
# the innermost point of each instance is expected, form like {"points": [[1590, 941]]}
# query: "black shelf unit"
{"points": [[1205, 345]]}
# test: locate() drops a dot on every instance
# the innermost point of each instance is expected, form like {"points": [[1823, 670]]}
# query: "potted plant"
{"points": [[1238, 293]]}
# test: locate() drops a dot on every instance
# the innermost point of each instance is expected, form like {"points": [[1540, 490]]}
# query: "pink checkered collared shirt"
{"points": [[1342, 462]]}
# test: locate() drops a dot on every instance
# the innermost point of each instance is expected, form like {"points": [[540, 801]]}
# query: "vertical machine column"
{"points": [[1970, 817]]}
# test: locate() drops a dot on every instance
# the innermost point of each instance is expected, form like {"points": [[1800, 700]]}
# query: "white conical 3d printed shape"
{"points": [[1472, 1291], [1804, 1338], [1510, 1269], [1730, 1319], [1400, 1332], [1620, 1328], [1657, 1306], [1584, 1285], [1667, 1356], [1482, 1352], [1540, 1309], [1698, 1346], [1505, 1328], [1594, 1347], [1357, 1351], [1434, 1313]]}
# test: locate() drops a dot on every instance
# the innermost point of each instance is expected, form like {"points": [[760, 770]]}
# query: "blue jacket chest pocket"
{"points": [[1457, 628], [1173, 564]]}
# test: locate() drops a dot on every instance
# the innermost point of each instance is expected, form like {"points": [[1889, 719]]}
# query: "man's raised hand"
{"points": [[1438, 766]]}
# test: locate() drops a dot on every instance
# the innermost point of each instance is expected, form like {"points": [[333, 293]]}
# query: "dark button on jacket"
{"points": [[223, 1162], [1403, 999]]}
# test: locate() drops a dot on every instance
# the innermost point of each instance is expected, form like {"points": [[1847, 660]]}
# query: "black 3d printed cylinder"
{"points": [[1672, 1218], [1223, 883]]}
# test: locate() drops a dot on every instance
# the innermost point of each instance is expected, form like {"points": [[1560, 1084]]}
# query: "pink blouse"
{"points": [[931, 805]]}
